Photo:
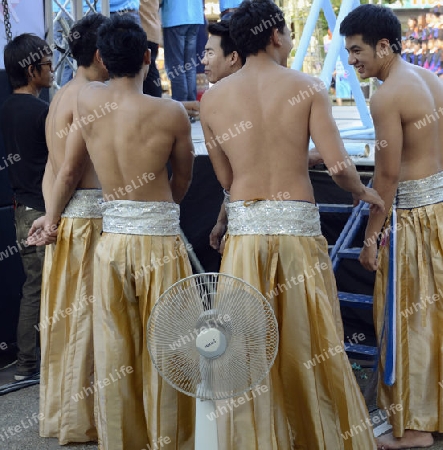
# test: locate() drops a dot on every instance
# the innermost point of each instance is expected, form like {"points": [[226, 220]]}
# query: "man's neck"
{"points": [[134, 84], [28, 89], [260, 59], [388, 66], [88, 73]]}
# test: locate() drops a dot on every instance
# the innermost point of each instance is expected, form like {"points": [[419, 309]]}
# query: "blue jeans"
{"points": [[181, 60]]}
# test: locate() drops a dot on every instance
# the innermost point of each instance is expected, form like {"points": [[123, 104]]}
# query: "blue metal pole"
{"points": [[305, 39]]}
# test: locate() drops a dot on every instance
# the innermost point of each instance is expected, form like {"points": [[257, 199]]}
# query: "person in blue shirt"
{"points": [[181, 22], [227, 8]]}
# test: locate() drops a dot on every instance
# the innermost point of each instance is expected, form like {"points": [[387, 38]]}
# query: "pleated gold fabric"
{"points": [[138, 410], [67, 364], [417, 392], [312, 400]]}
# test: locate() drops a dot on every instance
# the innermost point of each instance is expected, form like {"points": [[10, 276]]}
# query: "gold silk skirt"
{"points": [[312, 400], [137, 409], [416, 395], [67, 364]]}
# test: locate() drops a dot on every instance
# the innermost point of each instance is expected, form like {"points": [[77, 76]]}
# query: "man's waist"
{"points": [[270, 217], [84, 204], [141, 218], [421, 192]]}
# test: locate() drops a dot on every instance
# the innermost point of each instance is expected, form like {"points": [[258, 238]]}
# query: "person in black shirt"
{"points": [[22, 116]]}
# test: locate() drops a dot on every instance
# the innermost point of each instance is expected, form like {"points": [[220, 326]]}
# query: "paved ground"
{"points": [[19, 409]]}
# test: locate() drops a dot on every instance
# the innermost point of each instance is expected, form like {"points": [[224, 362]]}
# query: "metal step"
{"points": [[334, 208], [349, 253], [363, 352], [355, 300]]}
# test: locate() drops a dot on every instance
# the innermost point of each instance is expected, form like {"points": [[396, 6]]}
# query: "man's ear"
{"points": [[383, 46], [234, 58], [31, 73], [276, 37], [98, 57]]}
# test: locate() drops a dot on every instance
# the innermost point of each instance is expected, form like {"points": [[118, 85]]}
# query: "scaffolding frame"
{"points": [[69, 12]]}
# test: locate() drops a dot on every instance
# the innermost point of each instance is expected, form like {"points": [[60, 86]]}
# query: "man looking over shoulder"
{"points": [[408, 175]]}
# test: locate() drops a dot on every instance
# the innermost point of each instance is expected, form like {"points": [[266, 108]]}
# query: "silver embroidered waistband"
{"points": [[142, 218], [273, 217], [84, 204], [417, 193]]}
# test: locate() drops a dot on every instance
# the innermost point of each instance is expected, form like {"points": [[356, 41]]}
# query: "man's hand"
{"points": [[368, 257], [216, 236], [370, 196], [192, 108], [43, 232]]}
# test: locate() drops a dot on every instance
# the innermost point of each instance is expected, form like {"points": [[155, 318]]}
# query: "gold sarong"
{"points": [[415, 401], [137, 409], [67, 365], [312, 400]]}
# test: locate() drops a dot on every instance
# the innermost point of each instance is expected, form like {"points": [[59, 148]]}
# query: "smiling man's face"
{"points": [[362, 56], [217, 65]]}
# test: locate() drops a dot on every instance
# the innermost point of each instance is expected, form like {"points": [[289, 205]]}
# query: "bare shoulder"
{"points": [[171, 113], [87, 90], [383, 101], [166, 106]]}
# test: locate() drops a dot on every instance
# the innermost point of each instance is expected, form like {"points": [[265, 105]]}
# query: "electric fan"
{"points": [[212, 336]]}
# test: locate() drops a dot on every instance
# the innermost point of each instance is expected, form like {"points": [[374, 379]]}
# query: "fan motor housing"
{"points": [[211, 342]]}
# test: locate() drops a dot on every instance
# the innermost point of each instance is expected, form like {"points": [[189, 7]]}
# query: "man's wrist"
{"points": [[360, 192]]}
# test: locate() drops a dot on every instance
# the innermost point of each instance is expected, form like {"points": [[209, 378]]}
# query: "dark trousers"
{"points": [[181, 60], [153, 85], [32, 259]]}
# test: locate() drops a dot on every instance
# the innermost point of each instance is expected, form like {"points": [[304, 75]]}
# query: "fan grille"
{"points": [[212, 300]]}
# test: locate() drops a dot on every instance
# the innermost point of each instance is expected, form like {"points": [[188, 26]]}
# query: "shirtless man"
{"points": [[130, 148], [67, 364], [274, 239], [408, 173], [222, 59]]}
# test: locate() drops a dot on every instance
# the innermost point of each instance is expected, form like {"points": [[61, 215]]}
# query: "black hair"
{"points": [[221, 29], [373, 22], [83, 38], [122, 44], [252, 24], [23, 51]]}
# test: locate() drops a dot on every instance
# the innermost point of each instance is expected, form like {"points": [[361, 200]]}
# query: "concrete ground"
{"points": [[19, 409]]}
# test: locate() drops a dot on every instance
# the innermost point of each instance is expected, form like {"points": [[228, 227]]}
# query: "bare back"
{"points": [[268, 155], [62, 114], [412, 100], [130, 138]]}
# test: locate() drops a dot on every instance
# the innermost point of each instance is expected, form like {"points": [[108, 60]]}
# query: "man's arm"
{"points": [[387, 123], [182, 156], [219, 229], [325, 134], [219, 160], [48, 183], [35, 235]]}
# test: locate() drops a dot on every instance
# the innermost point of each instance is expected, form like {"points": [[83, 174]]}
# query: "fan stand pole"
{"points": [[205, 429]]}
